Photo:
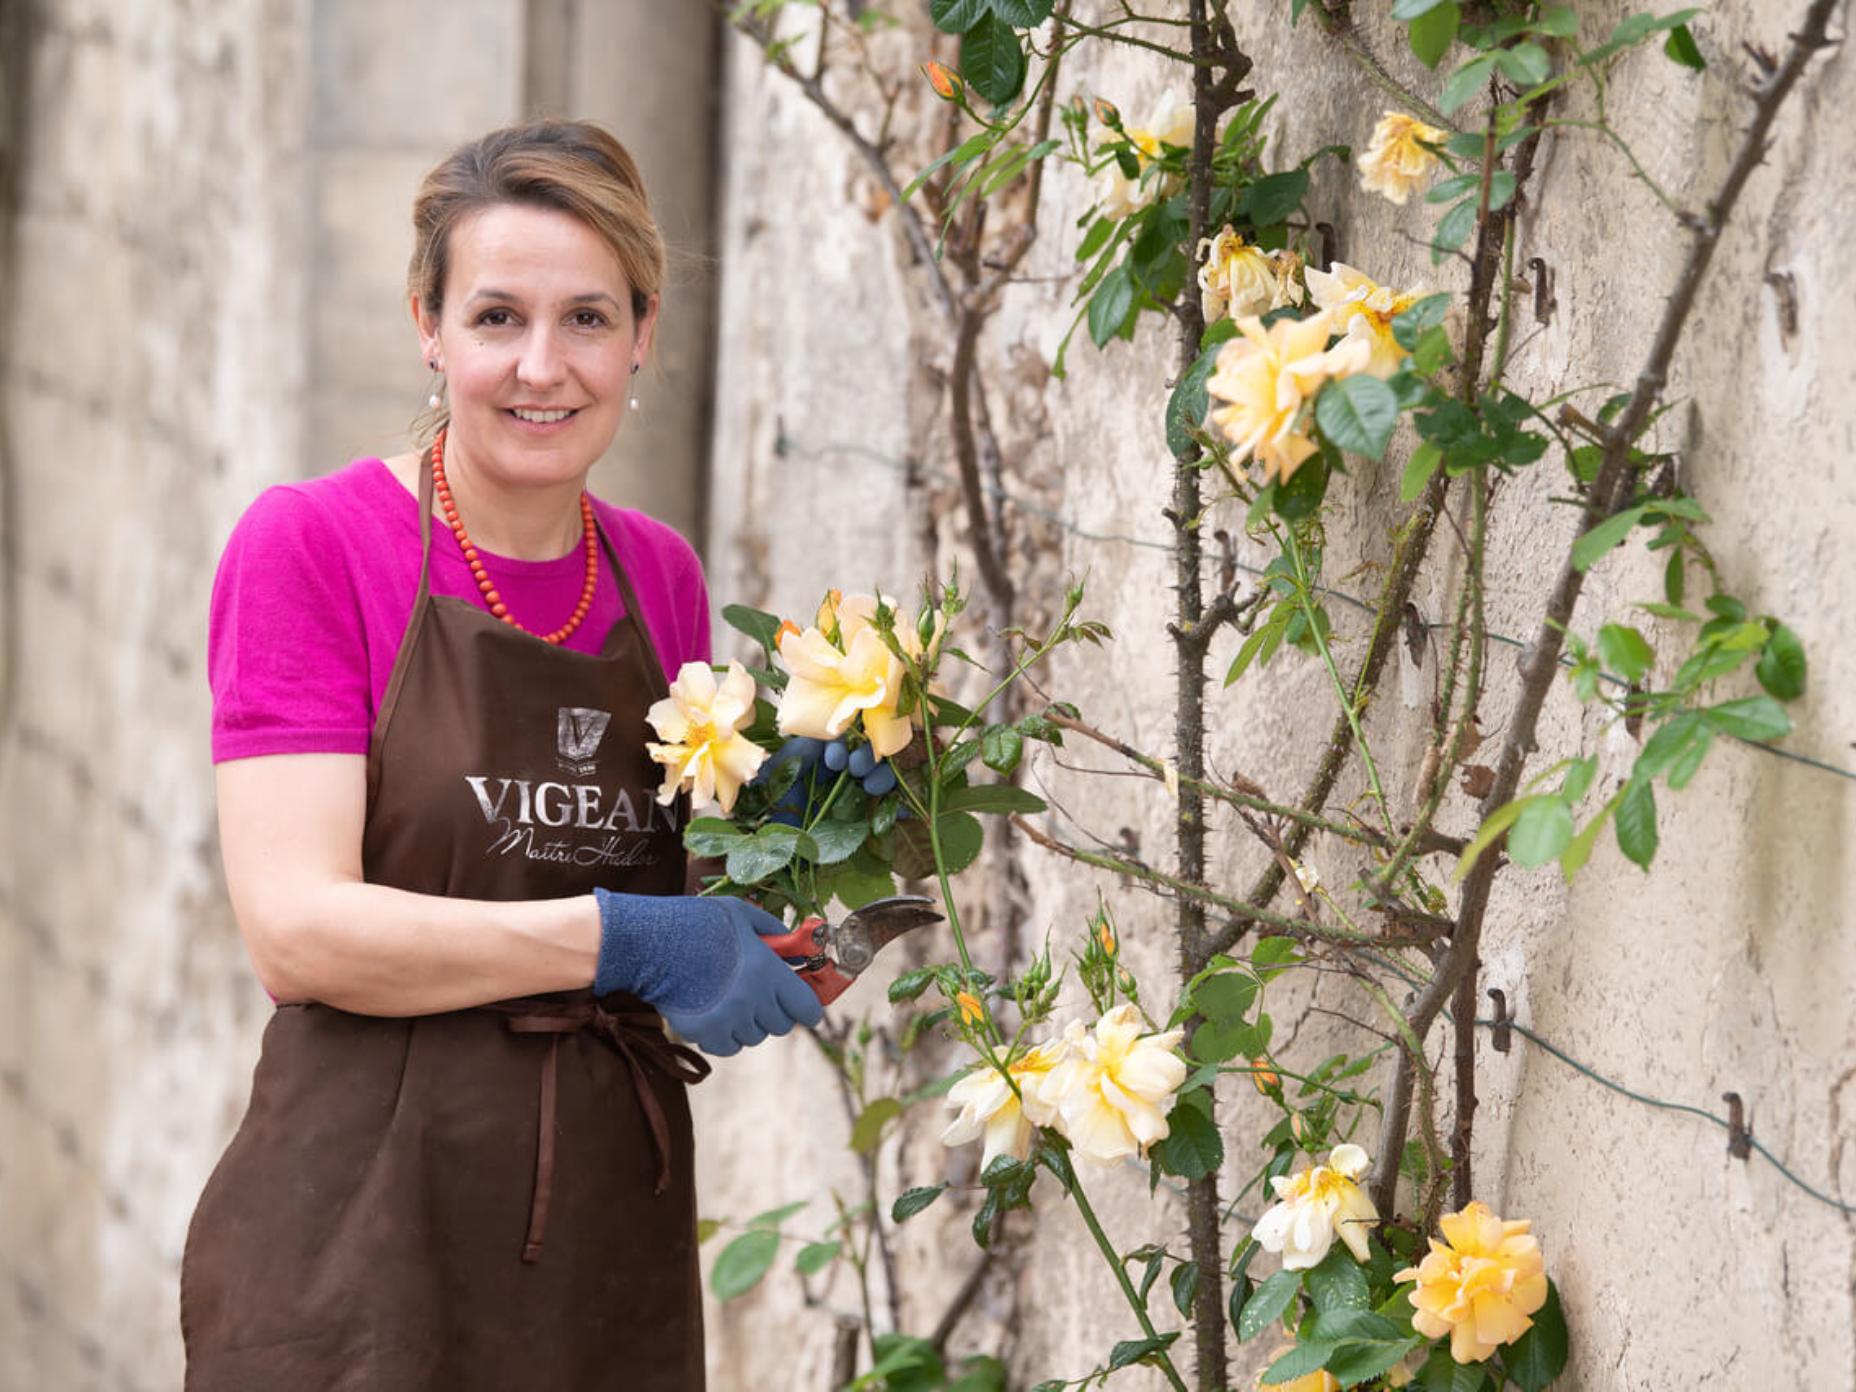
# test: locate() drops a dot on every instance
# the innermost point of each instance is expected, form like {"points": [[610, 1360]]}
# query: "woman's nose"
{"points": [[541, 363]]}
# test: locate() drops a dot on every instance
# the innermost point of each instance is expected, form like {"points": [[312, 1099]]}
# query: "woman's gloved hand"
{"points": [[701, 962]]}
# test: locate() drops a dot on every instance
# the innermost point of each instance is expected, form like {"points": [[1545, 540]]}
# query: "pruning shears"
{"points": [[830, 956]]}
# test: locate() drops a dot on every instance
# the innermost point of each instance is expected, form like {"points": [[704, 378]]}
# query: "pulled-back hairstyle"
{"points": [[572, 166]]}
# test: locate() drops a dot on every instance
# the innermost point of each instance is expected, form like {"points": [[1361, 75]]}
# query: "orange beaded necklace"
{"points": [[485, 585]]}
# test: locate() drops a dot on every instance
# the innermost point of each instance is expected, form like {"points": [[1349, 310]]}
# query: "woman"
{"points": [[467, 1157]]}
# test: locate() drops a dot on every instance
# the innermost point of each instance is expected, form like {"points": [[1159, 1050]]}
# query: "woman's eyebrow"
{"points": [[590, 297]]}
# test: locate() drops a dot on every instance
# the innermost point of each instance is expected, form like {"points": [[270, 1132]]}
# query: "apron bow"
{"points": [[637, 1036]]}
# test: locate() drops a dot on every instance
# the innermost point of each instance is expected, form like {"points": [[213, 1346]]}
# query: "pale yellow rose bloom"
{"points": [[1116, 195], [830, 684], [1240, 279], [1316, 1206], [1395, 163], [1321, 1380], [1479, 1285], [700, 723], [988, 1107], [1267, 376], [1365, 310], [1114, 1089]]}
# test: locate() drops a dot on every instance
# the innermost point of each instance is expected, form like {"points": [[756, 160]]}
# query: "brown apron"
{"points": [[492, 1198]]}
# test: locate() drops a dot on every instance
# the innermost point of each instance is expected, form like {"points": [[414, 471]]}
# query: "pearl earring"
{"points": [[634, 398], [437, 398]]}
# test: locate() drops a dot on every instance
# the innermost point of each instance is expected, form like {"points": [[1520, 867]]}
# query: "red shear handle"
{"points": [[827, 980]]}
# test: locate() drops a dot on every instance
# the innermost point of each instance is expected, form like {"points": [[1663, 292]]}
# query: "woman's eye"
{"points": [[494, 318], [589, 319]]}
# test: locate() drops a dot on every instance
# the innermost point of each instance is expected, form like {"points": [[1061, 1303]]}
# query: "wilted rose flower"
{"points": [[1395, 163], [1239, 279], [1316, 1206], [1479, 1285], [1365, 310], [989, 1107], [700, 724], [1114, 1088], [1267, 376]]}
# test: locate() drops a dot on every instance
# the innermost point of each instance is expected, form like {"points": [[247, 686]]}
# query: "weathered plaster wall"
{"points": [[1731, 966], [207, 261]]}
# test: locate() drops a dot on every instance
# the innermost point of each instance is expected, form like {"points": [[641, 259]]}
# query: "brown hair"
{"points": [[573, 166]]}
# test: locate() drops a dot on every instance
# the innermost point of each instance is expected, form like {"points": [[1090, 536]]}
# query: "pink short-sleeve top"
{"points": [[317, 582]]}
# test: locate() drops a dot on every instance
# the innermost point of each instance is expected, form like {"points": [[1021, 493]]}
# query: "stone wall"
{"points": [[206, 255], [1730, 966]]}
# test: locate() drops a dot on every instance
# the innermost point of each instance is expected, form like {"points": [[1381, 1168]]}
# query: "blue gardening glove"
{"points": [[701, 962], [873, 775]]}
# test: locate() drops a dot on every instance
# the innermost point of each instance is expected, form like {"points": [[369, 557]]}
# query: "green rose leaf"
{"points": [[1781, 668], [1625, 651], [1636, 822], [912, 1201], [1298, 1362], [1540, 833], [1432, 32], [1131, 1351], [814, 1257], [762, 627], [1110, 304], [1453, 229], [711, 836], [1681, 48], [995, 798], [956, 16], [912, 853], [1186, 407], [1756, 718], [1418, 470], [1267, 1303], [1589, 549], [991, 59], [1001, 747], [768, 851], [1185, 1282], [1465, 82], [1338, 1285], [741, 1264], [1356, 1363], [1539, 1355], [1226, 996], [1358, 413], [867, 1130], [1272, 198], [838, 841], [1192, 1148], [1023, 14]]}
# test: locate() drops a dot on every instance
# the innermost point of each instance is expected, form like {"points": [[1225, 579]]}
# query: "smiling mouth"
{"points": [[534, 417]]}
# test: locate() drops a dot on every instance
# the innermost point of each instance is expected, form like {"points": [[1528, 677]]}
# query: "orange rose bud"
{"points": [[970, 1009], [946, 85], [1107, 936], [1108, 113], [1266, 1079], [786, 626]]}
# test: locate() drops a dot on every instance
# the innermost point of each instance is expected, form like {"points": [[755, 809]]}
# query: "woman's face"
{"points": [[537, 342]]}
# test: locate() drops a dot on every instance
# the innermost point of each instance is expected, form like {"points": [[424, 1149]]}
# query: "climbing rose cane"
{"points": [[700, 723], [1478, 1285], [1316, 1206]]}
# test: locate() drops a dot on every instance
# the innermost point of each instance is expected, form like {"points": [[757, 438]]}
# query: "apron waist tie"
{"points": [[638, 1038]]}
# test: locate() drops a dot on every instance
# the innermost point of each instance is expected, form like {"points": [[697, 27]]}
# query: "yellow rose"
{"points": [[1478, 1285], [1316, 1206], [1113, 1090], [989, 1107], [1395, 162], [1116, 194], [700, 723], [1267, 376], [1365, 310], [830, 684], [1239, 279]]}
